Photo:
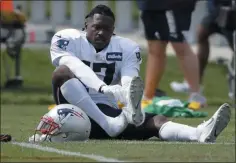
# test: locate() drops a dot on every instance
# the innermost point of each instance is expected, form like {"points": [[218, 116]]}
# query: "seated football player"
{"points": [[95, 69]]}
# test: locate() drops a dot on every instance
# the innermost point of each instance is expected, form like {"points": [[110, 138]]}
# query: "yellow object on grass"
{"points": [[194, 105]]}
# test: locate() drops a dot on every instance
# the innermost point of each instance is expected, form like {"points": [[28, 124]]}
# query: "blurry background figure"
{"points": [[168, 21], [208, 27], [13, 36]]}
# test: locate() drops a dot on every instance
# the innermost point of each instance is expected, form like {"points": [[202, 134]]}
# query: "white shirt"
{"points": [[119, 59]]}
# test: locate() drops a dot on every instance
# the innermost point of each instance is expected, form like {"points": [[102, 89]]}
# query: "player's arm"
{"points": [[131, 66], [63, 53]]}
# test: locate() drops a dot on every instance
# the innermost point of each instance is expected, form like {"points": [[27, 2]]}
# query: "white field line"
{"points": [[66, 153], [171, 143]]}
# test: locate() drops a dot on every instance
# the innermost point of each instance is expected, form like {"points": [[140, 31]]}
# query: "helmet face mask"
{"points": [[48, 126]]}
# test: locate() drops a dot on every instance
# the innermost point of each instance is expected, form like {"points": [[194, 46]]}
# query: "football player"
{"points": [[95, 69]]}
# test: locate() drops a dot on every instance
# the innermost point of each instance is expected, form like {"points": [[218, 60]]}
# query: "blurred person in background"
{"points": [[168, 21], [207, 27], [13, 36]]}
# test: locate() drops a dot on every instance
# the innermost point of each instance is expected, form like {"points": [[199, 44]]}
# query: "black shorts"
{"points": [[130, 133], [166, 25], [209, 24]]}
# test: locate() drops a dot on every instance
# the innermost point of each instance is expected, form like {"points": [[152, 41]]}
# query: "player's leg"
{"points": [[132, 110], [205, 30], [229, 36], [179, 23], [160, 126], [231, 63], [130, 133], [96, 131], [205, 132], [155, 31], [69, 89]]}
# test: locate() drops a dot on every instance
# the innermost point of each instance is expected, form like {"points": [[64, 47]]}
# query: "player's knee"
{"points": [[159, 120], [157, 48], [62, 74]]}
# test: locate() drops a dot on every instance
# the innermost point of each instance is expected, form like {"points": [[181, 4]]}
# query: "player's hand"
{"points": [[115, 90]]}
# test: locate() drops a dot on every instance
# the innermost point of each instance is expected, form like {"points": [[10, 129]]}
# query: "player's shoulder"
{"points": [[69, 33], [124, 43]]}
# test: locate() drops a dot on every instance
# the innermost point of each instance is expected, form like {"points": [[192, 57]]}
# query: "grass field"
{"points": [[21, 110]]}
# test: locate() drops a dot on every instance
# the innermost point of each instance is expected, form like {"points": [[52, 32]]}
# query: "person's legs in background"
{"points": [[158, 35], [205, 30], [187, 59], [155, 33]]}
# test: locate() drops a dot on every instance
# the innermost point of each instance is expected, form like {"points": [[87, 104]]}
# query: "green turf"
{"points": [[20, 120], [21, 110], [13, 153]]}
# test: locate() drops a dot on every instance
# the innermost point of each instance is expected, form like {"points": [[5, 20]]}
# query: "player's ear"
{"points": [[85, 25]]}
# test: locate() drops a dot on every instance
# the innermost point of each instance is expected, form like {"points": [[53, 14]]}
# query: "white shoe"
{"points": [[180, 87], [209, 130], [197, 97], [133, 111]]}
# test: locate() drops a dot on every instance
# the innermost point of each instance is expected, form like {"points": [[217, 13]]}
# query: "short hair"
{"points": [[103, 10]]}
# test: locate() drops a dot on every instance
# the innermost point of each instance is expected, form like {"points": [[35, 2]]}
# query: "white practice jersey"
{"points": [[120, 55]]}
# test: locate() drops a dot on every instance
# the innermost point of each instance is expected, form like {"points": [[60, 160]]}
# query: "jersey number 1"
{"points": [[109, 72]]}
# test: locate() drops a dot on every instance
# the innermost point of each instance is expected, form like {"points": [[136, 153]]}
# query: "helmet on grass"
{"points": [[65, 122]]}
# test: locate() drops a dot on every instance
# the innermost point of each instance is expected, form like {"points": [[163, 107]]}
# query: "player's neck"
{"points": [[98, 50]]}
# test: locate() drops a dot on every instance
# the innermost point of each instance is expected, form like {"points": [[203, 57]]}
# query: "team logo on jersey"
{"points": [[138, 56], [114, 56], [62, 43]]}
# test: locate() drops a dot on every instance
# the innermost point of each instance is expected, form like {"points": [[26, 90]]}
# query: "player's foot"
{"points": [[180, 87], [117, 125], [210, 129], [135, 114], [197, 98]]}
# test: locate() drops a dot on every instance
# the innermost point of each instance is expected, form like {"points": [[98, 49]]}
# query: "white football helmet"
{"points": [[64, 122]]}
